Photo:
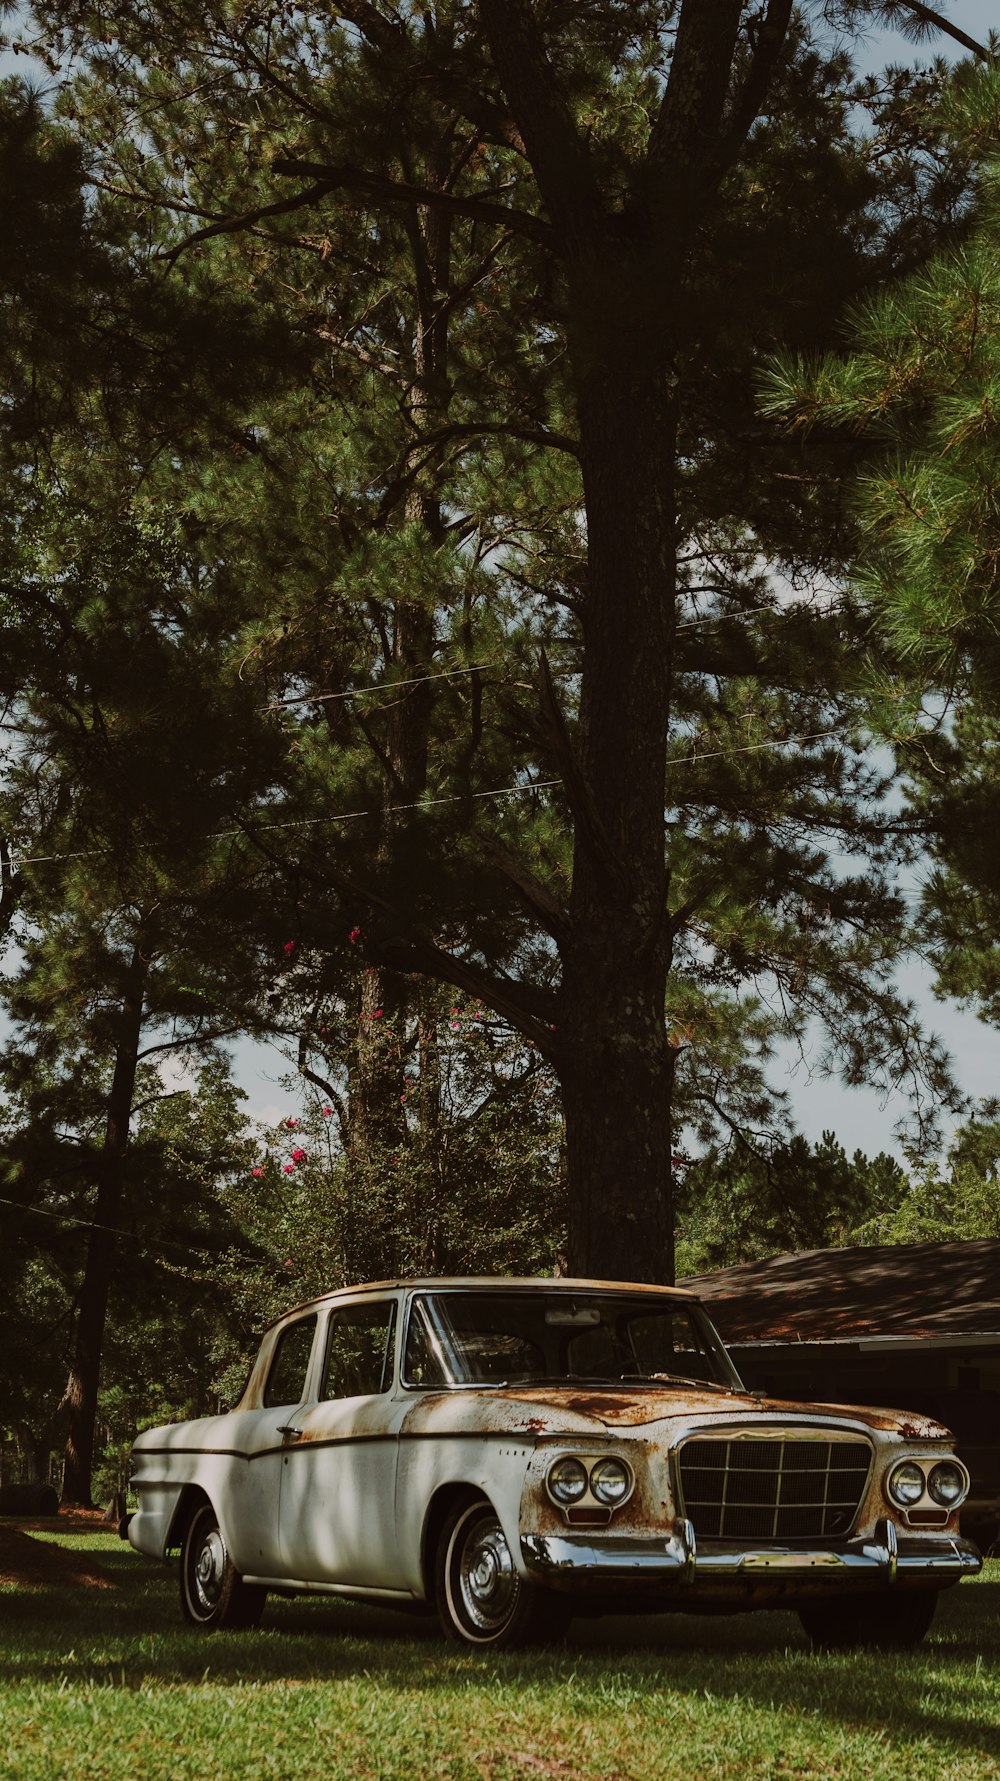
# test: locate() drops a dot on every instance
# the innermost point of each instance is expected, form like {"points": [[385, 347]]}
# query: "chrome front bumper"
{"points": [[571, 1561]]}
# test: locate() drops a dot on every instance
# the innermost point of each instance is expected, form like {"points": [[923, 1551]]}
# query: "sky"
{"points": [[862, 1119]]}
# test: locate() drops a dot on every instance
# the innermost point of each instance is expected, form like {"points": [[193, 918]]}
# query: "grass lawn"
{"points": [[107, 1683]]}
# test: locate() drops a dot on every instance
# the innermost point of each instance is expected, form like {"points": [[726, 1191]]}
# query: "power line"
{"points": [[390, 686], [113, 1230], [714, 754], [304, 822], [504, 791]]}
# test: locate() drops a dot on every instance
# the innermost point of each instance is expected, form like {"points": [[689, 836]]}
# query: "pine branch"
{"points": [[766, 53], [11, 884], [687, 130], [503, 430], [491, 121], [559, 157], [191, 1041], [548, 910], [231, 225], [928, 16], [394, 191], [320, 1082], [578, 792], [431, 442], [529, 1009]]}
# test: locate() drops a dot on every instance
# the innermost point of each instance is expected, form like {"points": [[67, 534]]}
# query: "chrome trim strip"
{"points": [[584, 1560]]}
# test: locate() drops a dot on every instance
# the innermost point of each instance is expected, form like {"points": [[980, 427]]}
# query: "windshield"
{"points": [[519, 1338]]}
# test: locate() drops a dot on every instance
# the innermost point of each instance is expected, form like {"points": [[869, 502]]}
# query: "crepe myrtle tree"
{"points": [[616, 148]]}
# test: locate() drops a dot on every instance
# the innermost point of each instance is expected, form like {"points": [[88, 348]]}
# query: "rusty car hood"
{"points": [[535, 1411]]}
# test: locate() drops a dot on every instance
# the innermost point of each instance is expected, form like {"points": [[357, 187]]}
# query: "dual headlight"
{"points": [[609, 1481], [946, 1483]]}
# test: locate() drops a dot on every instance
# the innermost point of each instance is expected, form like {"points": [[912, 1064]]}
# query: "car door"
{"points": [[252, 1518], [338, 1474]]}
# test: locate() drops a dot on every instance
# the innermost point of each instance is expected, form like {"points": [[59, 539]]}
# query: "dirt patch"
{"points": [[38, 1564]]}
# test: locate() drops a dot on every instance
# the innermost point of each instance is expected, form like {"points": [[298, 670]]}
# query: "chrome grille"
{"points": [[782, 1489]]}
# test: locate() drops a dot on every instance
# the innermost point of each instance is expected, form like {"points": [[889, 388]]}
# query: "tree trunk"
{"points": [[378, 1129], [80, 1397], [614, 1057]]}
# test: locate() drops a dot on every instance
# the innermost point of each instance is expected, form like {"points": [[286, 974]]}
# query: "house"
{"points": [[912, 1326]]}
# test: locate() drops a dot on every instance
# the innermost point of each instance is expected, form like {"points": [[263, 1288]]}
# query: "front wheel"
{"points": [[481, 1600], [889, 1623], [212, 1591]]}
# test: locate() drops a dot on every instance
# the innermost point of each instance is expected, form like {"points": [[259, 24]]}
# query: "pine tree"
{"points": [[131, 771], [916, 392]]}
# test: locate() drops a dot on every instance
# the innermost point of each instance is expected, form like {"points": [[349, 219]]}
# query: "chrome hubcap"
{"points": [[488, 1582], [209, 1567]]}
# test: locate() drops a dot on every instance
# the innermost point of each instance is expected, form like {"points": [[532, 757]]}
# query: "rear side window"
{"points": [[286, 1382], [359, 1354]]}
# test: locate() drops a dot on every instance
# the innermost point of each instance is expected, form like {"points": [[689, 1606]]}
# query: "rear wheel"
{"points": [[890, 1622], [212, 1591], [481, 1600]]}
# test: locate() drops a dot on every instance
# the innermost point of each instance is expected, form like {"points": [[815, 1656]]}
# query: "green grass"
{"points": [[108, 1684]]}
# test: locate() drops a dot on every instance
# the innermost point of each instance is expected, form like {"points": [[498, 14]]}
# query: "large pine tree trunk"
{"points": [[79, 1404], [616, 1063]]}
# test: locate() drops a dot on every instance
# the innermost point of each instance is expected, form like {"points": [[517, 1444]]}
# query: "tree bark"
{"points": [[615, 1062], [79, 1403]]}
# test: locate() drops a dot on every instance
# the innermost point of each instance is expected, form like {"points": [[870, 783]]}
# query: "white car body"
{"points": [[362, 1493]]}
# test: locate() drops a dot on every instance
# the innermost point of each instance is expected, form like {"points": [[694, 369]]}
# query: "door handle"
{"points": [[293, 1434]]}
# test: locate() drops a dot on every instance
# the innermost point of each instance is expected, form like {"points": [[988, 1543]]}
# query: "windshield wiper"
{"points": [[676, 1379]]}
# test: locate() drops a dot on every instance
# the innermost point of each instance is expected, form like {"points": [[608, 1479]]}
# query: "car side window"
{"points": [[286, 1381], [359, 1352]]}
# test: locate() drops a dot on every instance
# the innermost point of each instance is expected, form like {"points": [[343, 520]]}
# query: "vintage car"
{"points": [[516, 1452]]}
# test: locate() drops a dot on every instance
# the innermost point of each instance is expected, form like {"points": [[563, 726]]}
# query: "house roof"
{"points": [[943, 1291]]}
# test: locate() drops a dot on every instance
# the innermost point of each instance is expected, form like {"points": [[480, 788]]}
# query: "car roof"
{"points": [[444, 1282]]}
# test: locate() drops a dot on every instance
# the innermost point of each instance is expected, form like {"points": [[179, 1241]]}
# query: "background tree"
{"points": [[125, 781], [917, 386], [744, 1204]]}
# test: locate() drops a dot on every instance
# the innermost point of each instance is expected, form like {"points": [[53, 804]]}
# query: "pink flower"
{"points": [[289, 1168], [290, 1125], [289, 1266], [402, 1097], [377, 1014], [298, 1156], [258, 1172], [454, 1025], [327, 1112], [354, 936], [289, 946]]}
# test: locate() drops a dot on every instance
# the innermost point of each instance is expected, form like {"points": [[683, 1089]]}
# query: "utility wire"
{"points": [[305, 822], [113, 1230], [504, 791], [390, 686]]}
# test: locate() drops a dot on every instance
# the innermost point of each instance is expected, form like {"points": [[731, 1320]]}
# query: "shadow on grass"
{"points": [[134, 1637]]}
